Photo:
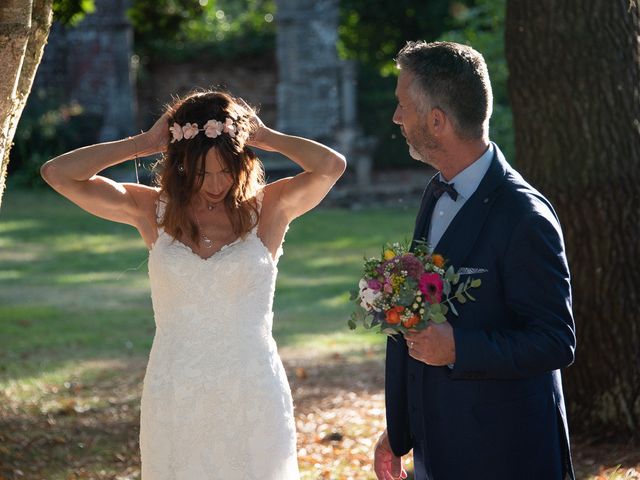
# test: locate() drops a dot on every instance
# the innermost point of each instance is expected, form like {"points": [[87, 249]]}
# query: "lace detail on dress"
{"points": [[216, 403]]}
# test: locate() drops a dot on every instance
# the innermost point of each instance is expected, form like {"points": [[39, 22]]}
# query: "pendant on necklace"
{"points": [[206, 241]]}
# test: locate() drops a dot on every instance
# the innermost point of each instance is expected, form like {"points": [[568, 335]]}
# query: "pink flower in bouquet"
{"points": [[388, 288], [374, 285], [431, 285]]}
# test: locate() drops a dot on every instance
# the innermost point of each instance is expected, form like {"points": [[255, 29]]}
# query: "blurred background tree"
{"points": [[575, 89], [373, 36]]}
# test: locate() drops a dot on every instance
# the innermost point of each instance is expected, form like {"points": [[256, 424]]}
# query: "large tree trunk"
{"points": [[24, 28], [575, 92]]}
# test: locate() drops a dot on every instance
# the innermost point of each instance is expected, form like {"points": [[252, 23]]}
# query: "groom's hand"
{"points": [[386, 465], [434, 345]]}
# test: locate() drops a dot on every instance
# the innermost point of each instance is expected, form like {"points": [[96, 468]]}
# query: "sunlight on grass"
{"points": [[86, 277], [347, 343], [13, 226], [93, 244], [9, 274], [335, 301], [297, 281], [33, 388]]}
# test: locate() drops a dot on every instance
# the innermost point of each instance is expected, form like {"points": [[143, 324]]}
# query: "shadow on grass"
{"points": [[85, 421]]}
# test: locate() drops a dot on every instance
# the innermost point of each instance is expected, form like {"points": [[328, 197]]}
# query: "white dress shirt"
{"points": [[466, 183]]}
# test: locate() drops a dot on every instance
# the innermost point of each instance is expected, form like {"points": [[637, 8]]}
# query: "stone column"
{"points": [[317, 92], [309, 69], [99, 61]]}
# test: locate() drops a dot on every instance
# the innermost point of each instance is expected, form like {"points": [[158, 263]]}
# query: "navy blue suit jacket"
{"points": [[499, 413]]}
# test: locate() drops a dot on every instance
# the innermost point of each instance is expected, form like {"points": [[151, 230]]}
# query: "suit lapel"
{"points": [[421, 219], [460, 236]]}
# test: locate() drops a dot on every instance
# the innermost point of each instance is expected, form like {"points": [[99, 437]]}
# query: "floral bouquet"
{"points": [[404, 290]]}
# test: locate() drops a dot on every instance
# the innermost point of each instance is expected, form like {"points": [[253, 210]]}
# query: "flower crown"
{"points": [[212, 129]]}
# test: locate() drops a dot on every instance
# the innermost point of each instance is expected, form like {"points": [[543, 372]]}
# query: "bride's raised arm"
{"points": [[322, 167], [75, 175]]}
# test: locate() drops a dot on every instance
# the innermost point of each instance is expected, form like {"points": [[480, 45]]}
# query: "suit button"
{"points": [[412, 377], [413, 409]]}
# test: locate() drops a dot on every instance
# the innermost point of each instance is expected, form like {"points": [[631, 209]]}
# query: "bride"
{"points": [[216, 403]]}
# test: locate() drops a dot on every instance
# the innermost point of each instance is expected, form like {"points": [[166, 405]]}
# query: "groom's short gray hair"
{"points": [[453, 78]]}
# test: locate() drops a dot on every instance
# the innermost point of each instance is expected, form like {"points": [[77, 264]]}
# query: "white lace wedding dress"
{"points": [[216, 403]]}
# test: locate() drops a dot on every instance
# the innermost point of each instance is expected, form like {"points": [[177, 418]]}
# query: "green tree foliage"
{"points": [[163, 19], [70, 12], [373, 32], [187, 30]]}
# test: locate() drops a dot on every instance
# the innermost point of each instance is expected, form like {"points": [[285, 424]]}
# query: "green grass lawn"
{"points": [[74, 287]]}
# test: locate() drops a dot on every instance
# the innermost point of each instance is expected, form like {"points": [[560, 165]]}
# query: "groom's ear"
{"points": [[437, 120]]}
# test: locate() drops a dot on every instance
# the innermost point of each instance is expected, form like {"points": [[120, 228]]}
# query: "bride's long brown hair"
{"points": [[181, 169]]}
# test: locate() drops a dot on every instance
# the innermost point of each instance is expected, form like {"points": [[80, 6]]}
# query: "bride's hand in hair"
{"points": [[257, 129], [157, 137]]}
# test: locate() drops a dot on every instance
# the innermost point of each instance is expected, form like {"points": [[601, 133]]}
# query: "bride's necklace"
{"points": [[206, 241]]}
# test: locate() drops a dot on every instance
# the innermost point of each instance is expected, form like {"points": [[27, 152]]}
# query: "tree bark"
{"points": [[574, 87], [24, 28]]}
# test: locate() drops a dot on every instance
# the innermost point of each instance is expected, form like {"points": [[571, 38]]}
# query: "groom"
{"points": [[479, 396]]}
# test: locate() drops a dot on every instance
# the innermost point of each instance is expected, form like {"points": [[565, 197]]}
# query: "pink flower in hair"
{"points": [[229, 127], [213, 128], [176, 132], [190, 130]]}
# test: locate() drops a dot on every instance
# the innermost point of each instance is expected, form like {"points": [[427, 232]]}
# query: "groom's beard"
{"points": [[425, 148]]}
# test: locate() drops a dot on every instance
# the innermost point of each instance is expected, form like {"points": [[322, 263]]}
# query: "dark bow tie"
{"points": [[438, 188]]}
